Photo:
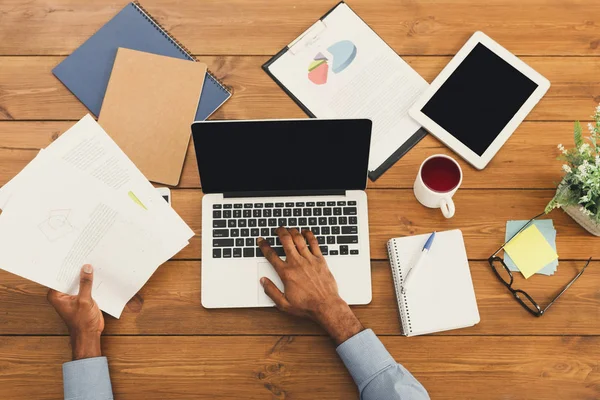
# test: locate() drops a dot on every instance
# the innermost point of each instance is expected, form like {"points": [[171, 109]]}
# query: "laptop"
{"points": [[259, 175]]}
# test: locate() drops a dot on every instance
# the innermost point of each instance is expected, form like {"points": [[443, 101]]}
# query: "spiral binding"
{"points": [[176, 42], [397, 275]]}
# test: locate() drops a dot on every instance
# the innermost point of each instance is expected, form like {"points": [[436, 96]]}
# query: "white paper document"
{"points": [[82, 201], [340, 68]]}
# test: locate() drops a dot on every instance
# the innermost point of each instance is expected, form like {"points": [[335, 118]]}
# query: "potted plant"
{"points": [[579, 192]]}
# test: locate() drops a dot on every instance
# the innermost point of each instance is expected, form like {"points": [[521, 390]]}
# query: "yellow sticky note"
{"points": [[530, 251]]}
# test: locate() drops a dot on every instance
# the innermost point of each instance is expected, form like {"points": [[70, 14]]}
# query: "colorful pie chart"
{"points": [[317, 71], [342, 53]]}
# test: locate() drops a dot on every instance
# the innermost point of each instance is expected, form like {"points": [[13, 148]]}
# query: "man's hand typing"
{"points": [[310, 288]]}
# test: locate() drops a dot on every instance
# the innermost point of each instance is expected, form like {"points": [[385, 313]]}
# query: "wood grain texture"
{"points": [[481, 215], [28, 90], [169, 304], [241, 353], [529, 163], [534, 27], [290, 367]]}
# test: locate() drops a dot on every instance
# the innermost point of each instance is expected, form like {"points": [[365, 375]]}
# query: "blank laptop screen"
{"points": [[282, 156]]}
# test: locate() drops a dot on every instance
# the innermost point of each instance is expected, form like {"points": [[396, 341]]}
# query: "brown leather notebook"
{"points": [[149, 106]]}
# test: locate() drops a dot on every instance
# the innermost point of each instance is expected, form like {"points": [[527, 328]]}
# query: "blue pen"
{"points": [[413, 271]]}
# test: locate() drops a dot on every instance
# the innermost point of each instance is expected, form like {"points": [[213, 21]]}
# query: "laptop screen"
{"points": [[282, 155]]}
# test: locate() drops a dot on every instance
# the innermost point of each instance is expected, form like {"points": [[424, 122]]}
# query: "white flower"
{"points": [[591, 127], [584, 199], [585, 211], [584, 148], [583, 169], [597, 159], [562, 149], [568, 169], [598, 109]]}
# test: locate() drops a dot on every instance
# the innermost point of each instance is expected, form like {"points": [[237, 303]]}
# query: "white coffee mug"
{"points": [[439, 178]]}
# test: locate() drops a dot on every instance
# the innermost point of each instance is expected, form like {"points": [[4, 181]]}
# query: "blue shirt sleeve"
{"points": [[375, 371], [87, 379]]}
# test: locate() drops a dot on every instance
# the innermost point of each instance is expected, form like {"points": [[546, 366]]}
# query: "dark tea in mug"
{"points": [[440, 174]]}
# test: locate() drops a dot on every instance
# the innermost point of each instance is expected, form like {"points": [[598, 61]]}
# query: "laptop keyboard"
{"points": [[237, 226]]}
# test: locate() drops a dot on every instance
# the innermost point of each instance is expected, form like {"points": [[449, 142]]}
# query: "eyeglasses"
{"points": [[504, 274]]}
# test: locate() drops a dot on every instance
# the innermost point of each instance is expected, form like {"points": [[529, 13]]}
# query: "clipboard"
{"points": [[313, 31]]}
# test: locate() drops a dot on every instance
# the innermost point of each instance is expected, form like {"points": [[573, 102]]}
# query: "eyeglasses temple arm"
{"points": [[568, 285]]}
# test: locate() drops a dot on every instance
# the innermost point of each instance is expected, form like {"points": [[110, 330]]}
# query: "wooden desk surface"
{"points": [[167, 346]]}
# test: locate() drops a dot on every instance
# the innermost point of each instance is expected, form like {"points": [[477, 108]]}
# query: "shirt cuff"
{"points": [[365, 356], [87, 379]]}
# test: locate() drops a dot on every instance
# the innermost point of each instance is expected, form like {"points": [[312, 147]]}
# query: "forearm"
{"points": [[372, 367], [87, 379], [87, 376], [338, 320], [86, 345], [375, 371]]}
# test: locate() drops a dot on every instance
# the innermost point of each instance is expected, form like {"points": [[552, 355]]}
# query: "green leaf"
{"points": [[551, 206], [578, 135]]}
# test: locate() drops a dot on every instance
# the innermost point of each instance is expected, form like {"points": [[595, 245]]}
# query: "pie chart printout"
{"points": [[341, 53], [318, 69]]}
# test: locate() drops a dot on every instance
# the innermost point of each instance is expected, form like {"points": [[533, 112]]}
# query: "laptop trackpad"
{"points": [[266, 269]]}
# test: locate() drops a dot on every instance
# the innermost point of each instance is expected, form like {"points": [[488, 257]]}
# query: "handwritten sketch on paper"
{"points": [[72, 205], [57, 225]]}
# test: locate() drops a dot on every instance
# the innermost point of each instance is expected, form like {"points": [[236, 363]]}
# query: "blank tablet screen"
{"points": [[480, 97]]}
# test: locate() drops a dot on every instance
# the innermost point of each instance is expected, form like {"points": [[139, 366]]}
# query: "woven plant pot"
{"points": [[575, 212], [583, 220]]}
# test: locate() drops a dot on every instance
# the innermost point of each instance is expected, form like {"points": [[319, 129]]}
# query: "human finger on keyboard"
{"points": [[288, 243], [313, 243], [310, 290], [300, 243], [271, 255]]}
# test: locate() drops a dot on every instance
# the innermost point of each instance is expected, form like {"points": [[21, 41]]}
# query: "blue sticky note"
{"points": [[546, 227]]}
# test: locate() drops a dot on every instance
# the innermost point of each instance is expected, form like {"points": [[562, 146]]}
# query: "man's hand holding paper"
{"points": [[72, 206]]}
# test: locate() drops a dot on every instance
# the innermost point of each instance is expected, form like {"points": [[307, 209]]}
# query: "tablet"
{"points": [[165, 193], [479, 99]]}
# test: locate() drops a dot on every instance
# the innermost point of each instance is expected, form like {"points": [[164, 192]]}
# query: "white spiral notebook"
{"points": [[441, 297]]}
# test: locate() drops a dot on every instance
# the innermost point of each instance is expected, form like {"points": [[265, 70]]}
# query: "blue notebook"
{"points": [[86, 72]]}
